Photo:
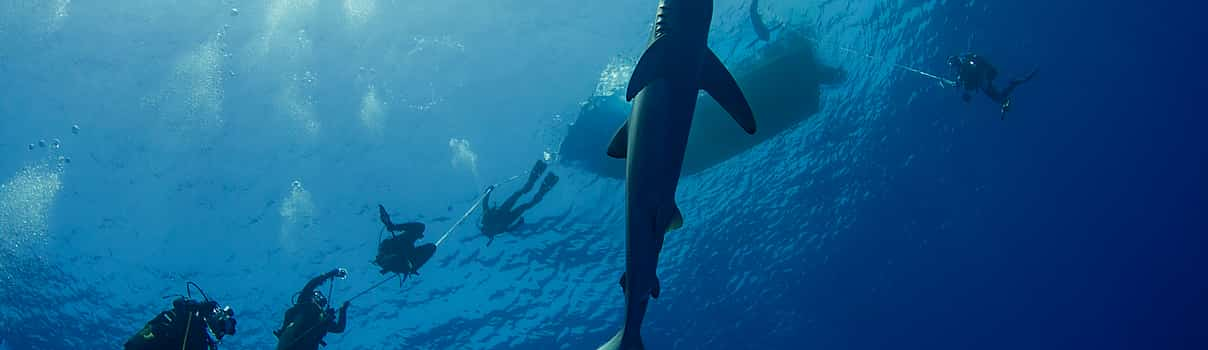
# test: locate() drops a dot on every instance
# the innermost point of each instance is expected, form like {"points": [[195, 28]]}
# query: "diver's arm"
{"points": [[308, 291], [342, 320]]}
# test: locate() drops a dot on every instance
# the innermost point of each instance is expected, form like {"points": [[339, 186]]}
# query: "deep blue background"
{"points": [[1076, 223]]}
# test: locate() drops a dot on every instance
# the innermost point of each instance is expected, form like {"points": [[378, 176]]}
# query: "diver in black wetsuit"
{"points": [[974, 73], [398, 254], [311, 318], [189, 325], [507, 217]]}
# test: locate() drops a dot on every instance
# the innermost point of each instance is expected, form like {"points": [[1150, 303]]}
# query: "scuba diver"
{"points": [[507, 217], [311, 317], [190, 325], [398, 254], [975, 73]]}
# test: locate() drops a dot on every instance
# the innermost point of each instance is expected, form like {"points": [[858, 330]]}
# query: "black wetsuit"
{"points": [[307, 322], [185, 326], [975, 73], [398, 254], [507, 217]]}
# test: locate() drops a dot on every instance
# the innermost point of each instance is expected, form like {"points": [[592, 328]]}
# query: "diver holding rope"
{"points": [[311, 317], [190, 325]]}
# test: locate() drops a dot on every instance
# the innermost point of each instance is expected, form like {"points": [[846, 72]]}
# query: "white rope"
{"points": [[942, 80], [477, 202]]}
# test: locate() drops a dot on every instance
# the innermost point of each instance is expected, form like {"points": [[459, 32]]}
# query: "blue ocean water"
{"points": [[246, 150]]}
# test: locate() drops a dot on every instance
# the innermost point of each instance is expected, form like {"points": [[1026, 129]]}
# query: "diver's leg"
{"points": [[534, 174], [994, 94], [526, 206], [511, 201], [546, 186], [413, 228], [1006, 92], [549, 183], [516, 225]]}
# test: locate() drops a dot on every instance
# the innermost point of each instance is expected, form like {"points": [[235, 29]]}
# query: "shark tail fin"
{"points": [[623, 341], [719, 83]]}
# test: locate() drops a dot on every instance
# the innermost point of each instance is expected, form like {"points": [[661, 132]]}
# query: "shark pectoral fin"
{"points": [[622, 281], [657, 288], [677, 219], [647, 69], [619, 148], [717, 81]]}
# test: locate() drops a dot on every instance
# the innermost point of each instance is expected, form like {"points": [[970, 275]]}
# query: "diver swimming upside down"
{"points": [[509, 217]]}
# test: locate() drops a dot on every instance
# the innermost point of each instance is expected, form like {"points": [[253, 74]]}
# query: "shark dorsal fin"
{"points": [[717, 81], [648, 67], [619, 147]]}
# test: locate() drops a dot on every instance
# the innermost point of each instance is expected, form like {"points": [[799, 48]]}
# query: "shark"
{"points": [[664, 86]]}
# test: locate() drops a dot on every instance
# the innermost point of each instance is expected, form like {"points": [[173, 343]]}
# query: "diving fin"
{"points": [[619, 147], [717, 81], [384, 216], [647, 69]]}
